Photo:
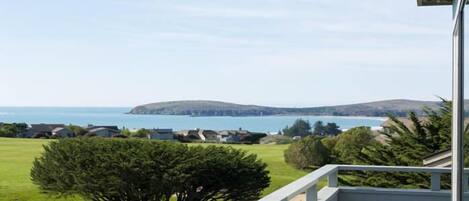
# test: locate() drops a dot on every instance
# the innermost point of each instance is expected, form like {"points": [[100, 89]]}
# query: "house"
{"points": [[439, 159], [161, 134], [222, 136], [233, 135], [40, 130], [275, 139], [62, 132], [235, 132], [296, 137], [103, 132], [189, 135], [91, 127], [208, 135], [230, 138]]}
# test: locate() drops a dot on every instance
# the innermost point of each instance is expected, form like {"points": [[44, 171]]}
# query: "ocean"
{"points": [[117, 116]]}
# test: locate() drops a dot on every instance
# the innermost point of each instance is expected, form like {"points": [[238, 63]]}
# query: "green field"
{"points": [[16, 156]]}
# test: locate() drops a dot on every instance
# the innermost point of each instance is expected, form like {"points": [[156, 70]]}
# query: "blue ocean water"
{"points": [[117, 116]]}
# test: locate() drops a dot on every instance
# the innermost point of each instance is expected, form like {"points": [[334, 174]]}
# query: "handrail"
{"points": [[378, 168], [308, 183], [301, 185]]}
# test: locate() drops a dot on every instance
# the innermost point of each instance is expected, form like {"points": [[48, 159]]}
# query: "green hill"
{"points": [[397, 107]]}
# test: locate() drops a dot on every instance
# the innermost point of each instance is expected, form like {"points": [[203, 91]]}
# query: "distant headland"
{"points": [[398, 107]]}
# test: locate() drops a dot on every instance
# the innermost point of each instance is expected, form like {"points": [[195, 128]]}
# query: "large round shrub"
{"points": [[350, 143], [137, 170], [307, 153]]}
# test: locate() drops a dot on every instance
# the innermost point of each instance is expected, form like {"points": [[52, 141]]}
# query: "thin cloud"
{"points": [[226, 12]]}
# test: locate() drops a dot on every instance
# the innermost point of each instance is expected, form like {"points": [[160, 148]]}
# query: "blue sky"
{"points": [[267, 52]]}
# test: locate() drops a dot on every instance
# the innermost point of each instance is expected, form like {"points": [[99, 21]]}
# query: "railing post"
{"points": [[435, 181], [312, 193], [332, 179], [465, 183]]}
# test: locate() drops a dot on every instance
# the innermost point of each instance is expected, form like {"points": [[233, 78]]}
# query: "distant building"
{"points": [[297, 138], [198, 134], [233, 135], [230, 138], [208, 135], [161, 134], [189, 135], [275, 139], [222, 136], [40, 130], [439, 159], [91, 127], [103, 132], [235, 132], [62, 132]]}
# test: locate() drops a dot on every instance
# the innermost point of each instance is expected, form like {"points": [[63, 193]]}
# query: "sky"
{"points": [[267, 52]]}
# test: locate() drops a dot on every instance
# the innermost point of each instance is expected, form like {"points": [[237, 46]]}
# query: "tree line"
{"points": [[11, 130], [402, 144], [303, 128]]}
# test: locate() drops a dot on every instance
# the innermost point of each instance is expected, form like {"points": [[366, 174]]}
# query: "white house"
{"points": [[208, 135], [161, 134]]}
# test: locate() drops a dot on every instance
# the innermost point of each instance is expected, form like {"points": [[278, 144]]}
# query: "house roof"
{"points": [[235, 132], [188, 132], [101, 129], [439, 159], [58, 129], [437, 153], [91, 127], [45, 127], [434, 2], [207, 132], [407, 122], [161, 131]]}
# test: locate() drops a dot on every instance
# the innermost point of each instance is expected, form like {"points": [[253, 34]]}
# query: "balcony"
{"points": [[334, 192]]}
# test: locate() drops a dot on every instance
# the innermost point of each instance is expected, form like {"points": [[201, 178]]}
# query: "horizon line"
{"points": [[96, 106]]}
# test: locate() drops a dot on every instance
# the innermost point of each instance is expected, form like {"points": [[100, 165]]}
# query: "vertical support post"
{"points": [[312, 193], [332, 179], [458, 105], [465, 183], [435, 181]]}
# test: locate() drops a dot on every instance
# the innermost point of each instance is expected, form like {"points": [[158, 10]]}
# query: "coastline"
{"points": [[116, 116]]}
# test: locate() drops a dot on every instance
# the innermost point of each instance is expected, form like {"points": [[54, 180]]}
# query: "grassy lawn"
{"points": [[16, 156]]}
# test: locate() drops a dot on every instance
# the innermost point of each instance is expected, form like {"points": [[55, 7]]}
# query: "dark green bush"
{"points": [[307, 153], [350, 143], [141, 133], [138, 170], [11, 130], [223, 173]]}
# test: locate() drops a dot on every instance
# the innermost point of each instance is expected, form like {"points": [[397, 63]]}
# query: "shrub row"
{"points": [[138, 170]]}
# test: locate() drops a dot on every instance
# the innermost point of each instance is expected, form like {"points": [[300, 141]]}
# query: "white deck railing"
{"points": [[308, 183]]}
